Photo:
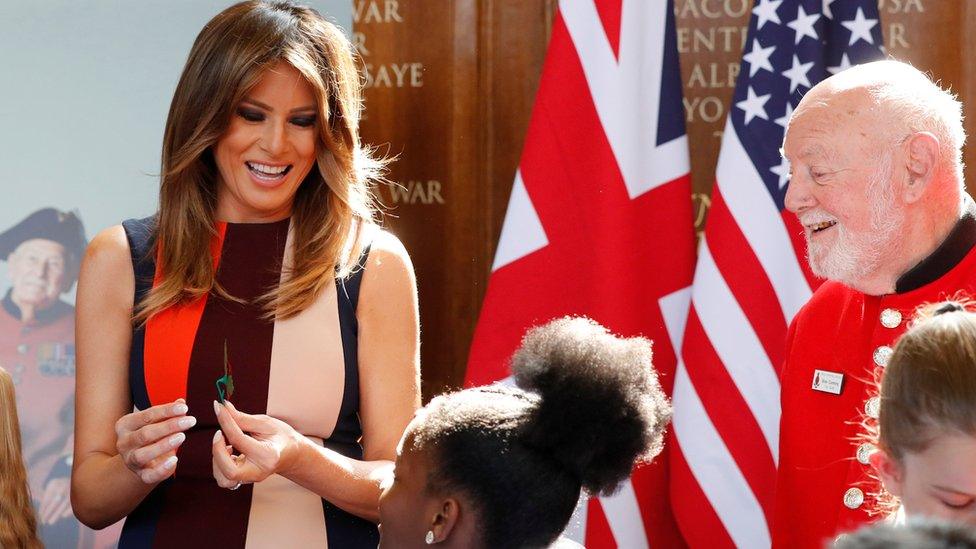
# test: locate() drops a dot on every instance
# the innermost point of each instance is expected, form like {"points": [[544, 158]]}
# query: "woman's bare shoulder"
{"points": [[107, 264], [389, 271], [385, 245], [109, 249]]}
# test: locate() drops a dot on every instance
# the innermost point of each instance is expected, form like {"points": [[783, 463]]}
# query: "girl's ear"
{"points": [[445, 520], [892, 472]]}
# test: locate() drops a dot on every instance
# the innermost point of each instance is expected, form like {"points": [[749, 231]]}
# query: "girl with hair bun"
{"points": [[502, 466], [926, 434]]}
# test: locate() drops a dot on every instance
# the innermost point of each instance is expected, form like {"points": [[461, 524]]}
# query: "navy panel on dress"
{"points": [[348, 428], [139, 529], [344, 529], [139, 233]]}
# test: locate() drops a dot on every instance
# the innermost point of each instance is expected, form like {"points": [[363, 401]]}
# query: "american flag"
{"points": [[599, 222], [752, 276]]}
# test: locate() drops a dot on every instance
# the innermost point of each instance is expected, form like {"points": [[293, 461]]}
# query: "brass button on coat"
{"points": [[890, 318], [853, 498], [864, 452], [882, 355], [873, 407]]}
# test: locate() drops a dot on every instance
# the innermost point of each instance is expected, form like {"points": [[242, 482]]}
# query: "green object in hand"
{"points": [[225, 383]]}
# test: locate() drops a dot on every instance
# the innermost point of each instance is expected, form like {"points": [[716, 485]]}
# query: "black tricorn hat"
{"points": [[65, 228]]}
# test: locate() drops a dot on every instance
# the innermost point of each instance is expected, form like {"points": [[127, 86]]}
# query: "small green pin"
{"points": [[225, 383]]}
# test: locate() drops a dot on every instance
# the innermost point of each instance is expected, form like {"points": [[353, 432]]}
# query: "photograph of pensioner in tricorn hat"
{"points": [[42, 253]]}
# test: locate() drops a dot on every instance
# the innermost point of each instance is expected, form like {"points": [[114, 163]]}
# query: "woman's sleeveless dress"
{"points": [[302, 370]]}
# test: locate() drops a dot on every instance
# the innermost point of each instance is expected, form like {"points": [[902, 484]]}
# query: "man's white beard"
{"points": [[854, 256]]}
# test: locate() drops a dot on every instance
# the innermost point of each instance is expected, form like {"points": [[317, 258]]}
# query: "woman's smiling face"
{"points": [[268, 148]]}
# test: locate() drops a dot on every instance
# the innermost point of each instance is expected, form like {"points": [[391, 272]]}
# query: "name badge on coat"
{"points": [[828, 382]]}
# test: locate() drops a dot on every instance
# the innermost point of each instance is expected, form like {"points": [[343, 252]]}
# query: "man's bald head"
{"points": [[891, 98]]}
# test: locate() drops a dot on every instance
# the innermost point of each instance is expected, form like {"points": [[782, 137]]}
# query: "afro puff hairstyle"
{"points": [[588, 406]]}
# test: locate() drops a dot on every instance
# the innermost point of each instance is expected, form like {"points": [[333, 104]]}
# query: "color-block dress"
{"points": [[302, 370]]}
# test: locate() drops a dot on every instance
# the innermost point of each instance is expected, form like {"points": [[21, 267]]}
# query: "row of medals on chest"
{"points": [[53, 360]]}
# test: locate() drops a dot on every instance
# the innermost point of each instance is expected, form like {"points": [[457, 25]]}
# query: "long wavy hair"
{"points": [[334, 203], [18, 526]]}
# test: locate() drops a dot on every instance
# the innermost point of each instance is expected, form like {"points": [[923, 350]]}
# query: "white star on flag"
{"points": [[803, 25], [845, 63], [826, 9], [783, 171], [785, 119], [860, 28], [798, 73], [758, 58], [754, 105], [766, 11]]}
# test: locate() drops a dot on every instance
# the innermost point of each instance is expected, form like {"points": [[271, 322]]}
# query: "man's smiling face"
{"points": [[840, 186]]}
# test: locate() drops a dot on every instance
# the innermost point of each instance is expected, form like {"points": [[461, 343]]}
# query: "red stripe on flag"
{"points": [[747, 280], [730, 414], [650, 484], [598, 533], [699, 523]]}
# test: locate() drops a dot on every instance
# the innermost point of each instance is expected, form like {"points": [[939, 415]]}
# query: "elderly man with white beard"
{"points": [[876, 182]]}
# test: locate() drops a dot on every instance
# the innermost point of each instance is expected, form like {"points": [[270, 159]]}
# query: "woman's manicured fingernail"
{"points": [[216, 436], [216, 408], [170, 462], [176, 440], [180, 409], [187, 422]]}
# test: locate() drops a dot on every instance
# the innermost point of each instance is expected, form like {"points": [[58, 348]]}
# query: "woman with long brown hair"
{"points": [[261, 324], [18, 525]]}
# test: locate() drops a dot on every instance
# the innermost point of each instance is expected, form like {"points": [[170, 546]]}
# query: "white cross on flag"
{"points": [[599, 222]]}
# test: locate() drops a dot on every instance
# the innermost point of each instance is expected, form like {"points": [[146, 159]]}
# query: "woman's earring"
{"points": [[430, 537]]}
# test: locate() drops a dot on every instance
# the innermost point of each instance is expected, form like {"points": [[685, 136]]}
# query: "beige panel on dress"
{"points": [[305, 390], [283, 514]]}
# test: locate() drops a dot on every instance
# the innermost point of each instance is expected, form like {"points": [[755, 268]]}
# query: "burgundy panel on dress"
{"points": [[249, 342]]}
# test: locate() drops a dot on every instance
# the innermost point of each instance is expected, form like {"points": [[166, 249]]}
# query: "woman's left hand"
{"points": [[267, 446]]}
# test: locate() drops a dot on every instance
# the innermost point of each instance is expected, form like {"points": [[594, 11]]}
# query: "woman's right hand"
{"points": [[148, 439]]}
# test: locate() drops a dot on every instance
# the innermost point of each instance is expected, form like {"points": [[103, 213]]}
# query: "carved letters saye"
{"points": [[395, 75]]}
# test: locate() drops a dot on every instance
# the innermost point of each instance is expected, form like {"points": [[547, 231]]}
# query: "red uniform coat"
{"points": [[40, 356], [824, 484]]}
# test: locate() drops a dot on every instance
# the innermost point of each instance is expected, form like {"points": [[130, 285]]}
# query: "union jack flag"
{"points": [[599, 222], [752, 276]]}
